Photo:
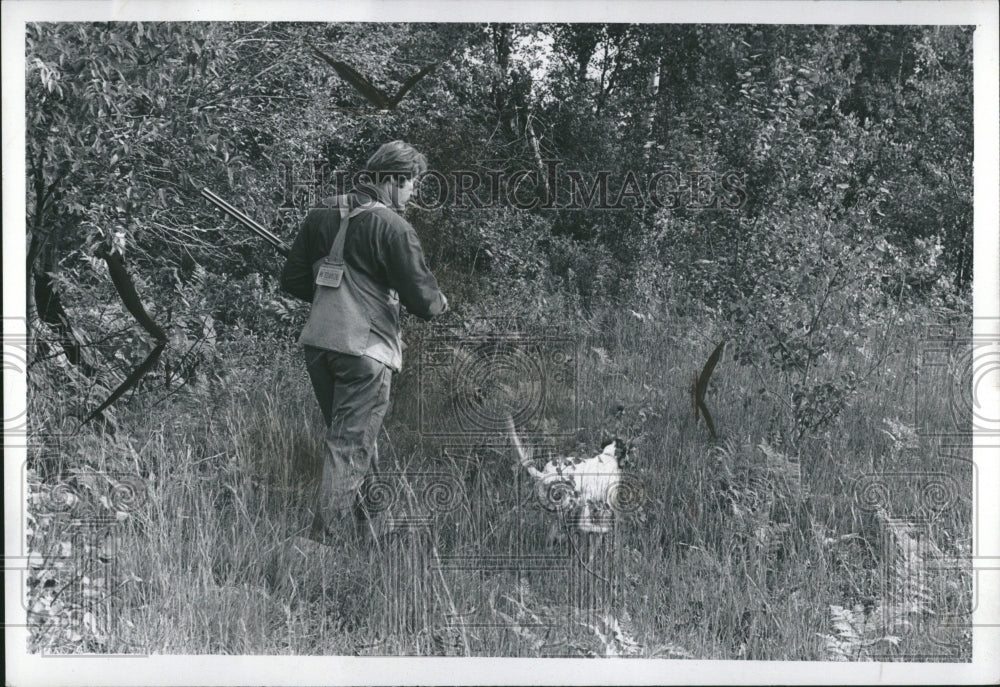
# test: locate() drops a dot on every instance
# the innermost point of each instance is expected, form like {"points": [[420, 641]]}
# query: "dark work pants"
{"points": [[353, 393]]}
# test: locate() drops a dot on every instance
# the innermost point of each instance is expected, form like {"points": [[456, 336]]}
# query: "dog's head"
{"points": [[621, 449]]}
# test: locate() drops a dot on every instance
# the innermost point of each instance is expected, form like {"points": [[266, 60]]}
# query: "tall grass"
{"points": [[751, 546]]}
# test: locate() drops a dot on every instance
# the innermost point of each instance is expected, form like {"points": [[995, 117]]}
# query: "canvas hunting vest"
{"points": [[352, 313]]}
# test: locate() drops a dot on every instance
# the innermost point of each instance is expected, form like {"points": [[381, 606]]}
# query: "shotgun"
{"points": [[245, 220]]}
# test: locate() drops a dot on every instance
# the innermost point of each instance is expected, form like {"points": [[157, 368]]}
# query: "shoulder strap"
{"points": [[337, 251]]}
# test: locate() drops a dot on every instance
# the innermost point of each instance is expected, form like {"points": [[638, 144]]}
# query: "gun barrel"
{"points": [[245, 220]]}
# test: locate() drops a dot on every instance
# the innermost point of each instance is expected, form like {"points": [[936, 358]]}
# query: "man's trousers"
{"points": [[353, 393]]}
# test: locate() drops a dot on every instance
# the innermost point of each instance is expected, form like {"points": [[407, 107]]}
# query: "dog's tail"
{"points": [[522, 455]]}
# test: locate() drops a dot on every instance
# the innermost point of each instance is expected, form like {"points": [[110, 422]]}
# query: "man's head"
{"points": [[393, 169]]}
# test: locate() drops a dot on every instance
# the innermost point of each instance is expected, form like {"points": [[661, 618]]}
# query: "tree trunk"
{"points": [[654, 102], [530, 130]]}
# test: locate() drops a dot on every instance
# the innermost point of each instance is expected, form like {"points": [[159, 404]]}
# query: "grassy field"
{"points": [[750, 546]]}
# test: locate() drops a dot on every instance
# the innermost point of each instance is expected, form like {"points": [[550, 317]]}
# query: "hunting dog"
{"points": [[583, 490]]}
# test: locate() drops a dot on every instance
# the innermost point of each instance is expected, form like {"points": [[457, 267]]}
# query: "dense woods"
{"points": [[648, 190], [793, 160]]}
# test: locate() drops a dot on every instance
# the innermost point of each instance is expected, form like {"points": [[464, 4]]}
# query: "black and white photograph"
{"points": [[656, 343]]}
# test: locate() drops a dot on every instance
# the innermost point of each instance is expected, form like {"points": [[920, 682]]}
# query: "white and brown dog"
{"points": [[583, 490]]}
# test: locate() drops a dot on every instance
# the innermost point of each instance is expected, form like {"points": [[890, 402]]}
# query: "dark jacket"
{"points": [[381, 244]]}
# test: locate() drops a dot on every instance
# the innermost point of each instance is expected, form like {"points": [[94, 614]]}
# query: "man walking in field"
{"points": [[355, 263]]}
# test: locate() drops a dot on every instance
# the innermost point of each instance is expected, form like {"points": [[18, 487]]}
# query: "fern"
{"points": [[909, 598], [856, 631], [786, 469]]}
